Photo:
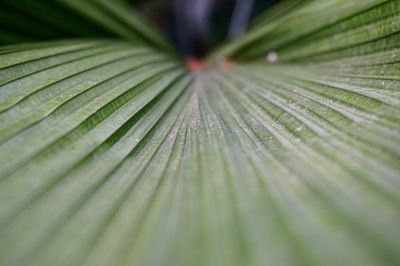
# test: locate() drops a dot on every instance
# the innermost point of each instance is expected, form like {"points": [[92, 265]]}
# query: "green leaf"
{"points": [[112, 153], [318, 27], [26, 20]]}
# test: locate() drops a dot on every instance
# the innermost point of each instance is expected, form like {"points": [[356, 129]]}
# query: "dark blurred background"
{"points": [[196, 26]]}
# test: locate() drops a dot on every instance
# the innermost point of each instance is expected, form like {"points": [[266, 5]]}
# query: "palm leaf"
{"points": [[112, 153], [27, 20]]}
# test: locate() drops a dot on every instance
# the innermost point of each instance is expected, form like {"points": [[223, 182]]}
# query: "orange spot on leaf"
{"points": [[227, 64], [195, 64]]}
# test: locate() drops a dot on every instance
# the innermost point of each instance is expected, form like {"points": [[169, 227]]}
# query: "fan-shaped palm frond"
{"points": [[288, 153]]}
